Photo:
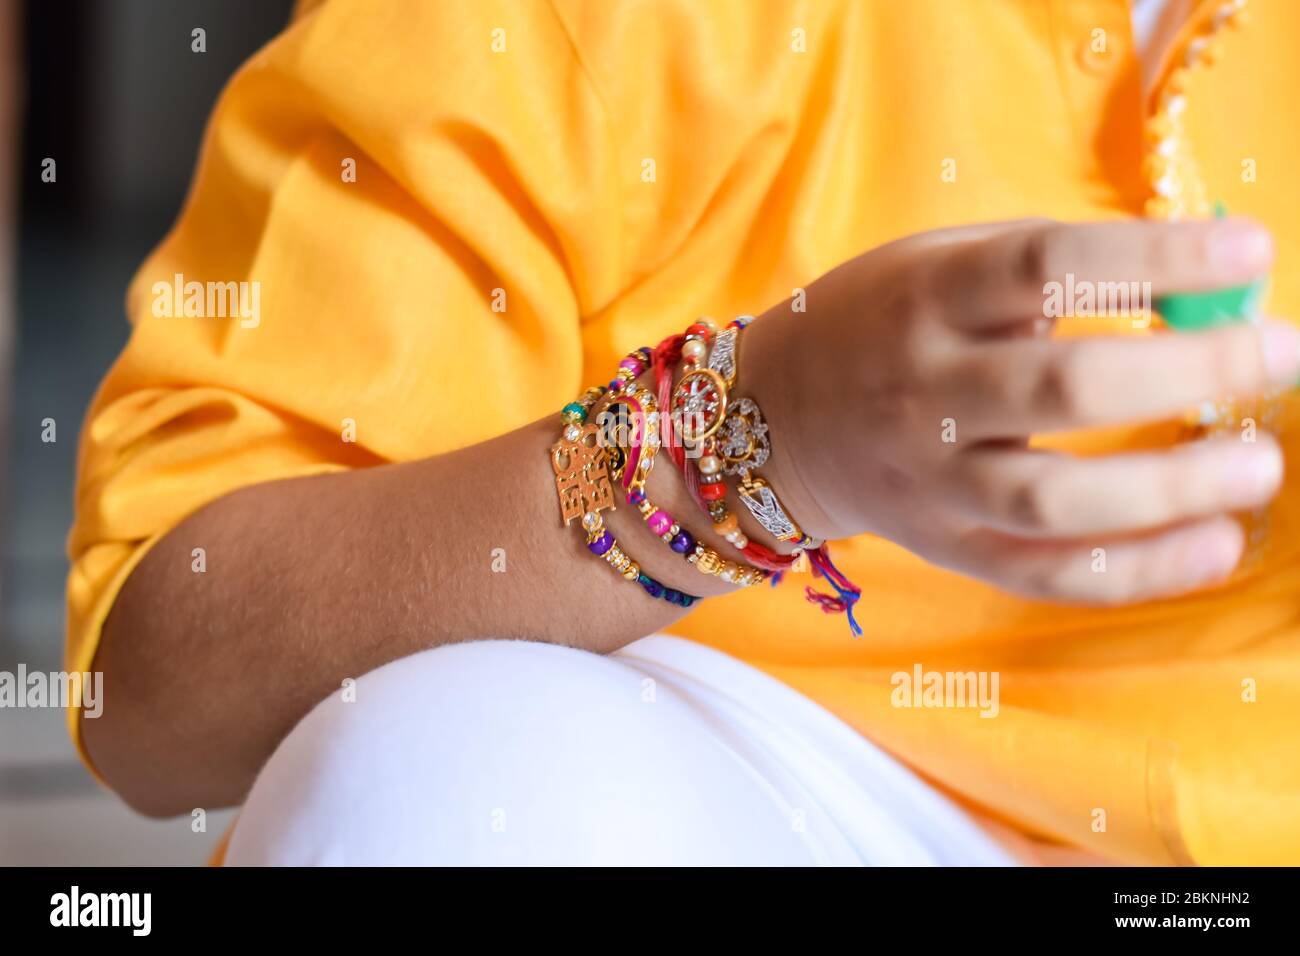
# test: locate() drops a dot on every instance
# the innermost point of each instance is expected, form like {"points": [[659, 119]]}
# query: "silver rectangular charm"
{"points": [[722, 358], [767, 511]]}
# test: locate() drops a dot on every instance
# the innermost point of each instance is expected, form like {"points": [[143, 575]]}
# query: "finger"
{"points": [[1018, 387], [1006, 279], [972, 232], [1108, 571], [1048, 495]]}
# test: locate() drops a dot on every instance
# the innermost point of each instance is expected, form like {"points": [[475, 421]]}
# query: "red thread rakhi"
{"points": [[665, 357]]}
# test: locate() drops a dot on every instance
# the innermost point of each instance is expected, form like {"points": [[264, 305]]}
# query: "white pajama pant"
{"points": [[664, 753]]}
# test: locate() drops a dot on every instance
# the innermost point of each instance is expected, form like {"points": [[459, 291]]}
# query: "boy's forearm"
{"points": [[314, 580]]}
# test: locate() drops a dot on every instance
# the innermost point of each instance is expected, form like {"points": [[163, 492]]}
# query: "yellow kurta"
{"points": [[609, 171]]}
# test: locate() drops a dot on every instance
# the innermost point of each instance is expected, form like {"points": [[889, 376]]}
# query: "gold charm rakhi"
{"points": [[582, 480], [699, 404], [630, 435]]}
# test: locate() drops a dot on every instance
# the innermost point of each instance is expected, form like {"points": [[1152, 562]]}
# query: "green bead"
{"points": [[573, 412]]}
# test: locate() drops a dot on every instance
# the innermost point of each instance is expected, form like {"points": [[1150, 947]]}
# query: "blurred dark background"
{"points": [[111, 90]]}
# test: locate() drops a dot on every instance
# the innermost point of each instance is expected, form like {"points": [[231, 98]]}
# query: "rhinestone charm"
{"points": [[699, 404], [723, 357], [767, 511], [743, 442]]}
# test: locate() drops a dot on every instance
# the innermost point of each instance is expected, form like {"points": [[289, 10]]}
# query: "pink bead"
{"points": [[660, 522]]}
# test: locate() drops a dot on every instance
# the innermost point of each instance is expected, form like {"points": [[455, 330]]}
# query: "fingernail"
{"points": [[1254, 475], [1212, 559], [1241, 248], [1280, 342]]}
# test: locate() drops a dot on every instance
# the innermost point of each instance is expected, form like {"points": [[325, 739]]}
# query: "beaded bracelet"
{"points": [[582, 482], [603, 544], [704, 559], [576, 412], [633, 465]]}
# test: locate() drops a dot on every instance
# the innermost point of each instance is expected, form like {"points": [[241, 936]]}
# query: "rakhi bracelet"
{"points": [[635, 413], [665, 357], [737, 447], [576, 412], [632, 412], [704, 559], [583, 483], [603, 544]]}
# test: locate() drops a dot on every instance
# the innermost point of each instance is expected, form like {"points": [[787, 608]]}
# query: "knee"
{"points": [[485, 752]]}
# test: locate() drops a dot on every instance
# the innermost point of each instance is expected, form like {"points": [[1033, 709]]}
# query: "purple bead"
{"points": [[672, 596], [635, 497], [653, 587], [683, 542], [602, 544]]}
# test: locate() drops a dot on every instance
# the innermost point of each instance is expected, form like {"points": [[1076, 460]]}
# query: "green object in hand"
{"points": [[1196, 311]]}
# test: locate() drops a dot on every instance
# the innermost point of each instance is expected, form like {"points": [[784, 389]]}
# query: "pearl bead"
{"points": [[740, 541], [710, 465], [693, 351]]}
